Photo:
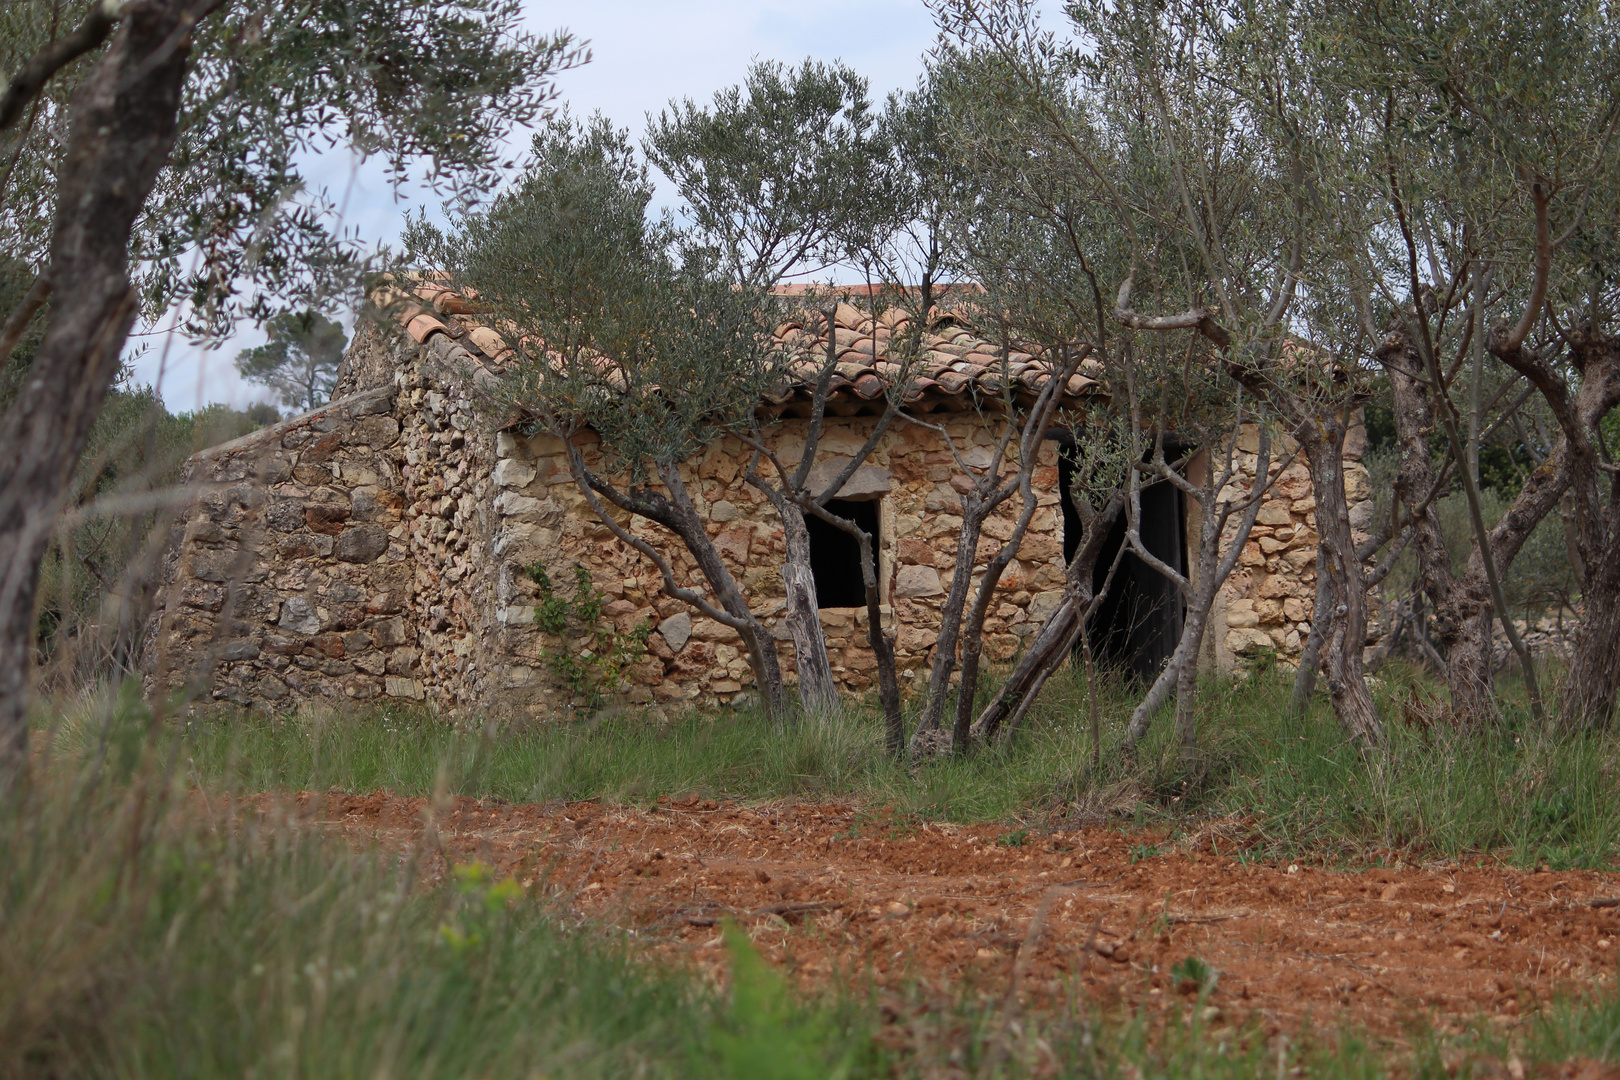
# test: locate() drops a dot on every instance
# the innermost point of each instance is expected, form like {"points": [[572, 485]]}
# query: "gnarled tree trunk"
{"points": [[1323, 442], [1457, 603], [121, 129], [817, 692]]}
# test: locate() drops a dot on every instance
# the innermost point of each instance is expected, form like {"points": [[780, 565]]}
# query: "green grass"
{"points": [[148, 929], [147, 933], [1292, 788]]}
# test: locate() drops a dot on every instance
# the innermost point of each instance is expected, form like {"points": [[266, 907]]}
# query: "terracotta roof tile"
{"points": [[422, 327], [953, 365]]}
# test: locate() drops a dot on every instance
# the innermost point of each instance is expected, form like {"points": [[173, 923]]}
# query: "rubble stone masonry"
{"points": [[379, 546]]}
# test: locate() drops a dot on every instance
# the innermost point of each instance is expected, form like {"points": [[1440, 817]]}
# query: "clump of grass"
{"points": [[1299, 788], [621, 758]]}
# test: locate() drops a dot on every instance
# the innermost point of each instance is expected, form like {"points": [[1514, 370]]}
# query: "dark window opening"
{"points": [[1137, 626], [835, 555]]}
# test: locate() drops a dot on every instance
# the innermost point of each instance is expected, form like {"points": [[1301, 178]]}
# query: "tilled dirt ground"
{"points": [[825, 890]]}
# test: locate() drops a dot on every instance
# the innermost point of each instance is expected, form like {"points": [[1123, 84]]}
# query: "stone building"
{"points": [[380, 546]]}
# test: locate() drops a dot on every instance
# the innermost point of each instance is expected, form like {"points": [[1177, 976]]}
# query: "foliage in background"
{"points": [[767, 171], [1541, 577], [300, 360], [97, 576], [15, 280]]}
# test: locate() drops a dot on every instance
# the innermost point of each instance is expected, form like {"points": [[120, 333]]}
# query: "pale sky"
{"points": [[645, 52]]}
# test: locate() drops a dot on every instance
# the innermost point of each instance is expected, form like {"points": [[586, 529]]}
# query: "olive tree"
{"points": [[782, 176], [151, 154], [1193, 207], [624, 330], [1490, 266]]}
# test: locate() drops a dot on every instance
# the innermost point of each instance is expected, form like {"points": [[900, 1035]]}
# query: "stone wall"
{"points": [[380, 547], [543, 518], [341, 554], [289, 577], [1265, 607]]}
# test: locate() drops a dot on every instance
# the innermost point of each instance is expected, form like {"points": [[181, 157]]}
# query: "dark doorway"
{"points": [[835, 556], [1136, 628]]}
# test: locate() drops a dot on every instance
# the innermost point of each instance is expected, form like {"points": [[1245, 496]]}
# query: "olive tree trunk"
{"points": [[120, 131], [1180, 674], [677, 513]]}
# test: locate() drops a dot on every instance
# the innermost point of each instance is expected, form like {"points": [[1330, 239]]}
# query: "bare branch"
{"points": [[1540, 197], [1200, 319], [27, 83], [589, 485]]}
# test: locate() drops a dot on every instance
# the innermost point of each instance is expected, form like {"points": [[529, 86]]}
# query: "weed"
{"points": [[592, 662], [1192, 970]]}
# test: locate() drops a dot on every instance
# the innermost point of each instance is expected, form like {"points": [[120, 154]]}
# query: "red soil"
{"points": [[827, 889]]}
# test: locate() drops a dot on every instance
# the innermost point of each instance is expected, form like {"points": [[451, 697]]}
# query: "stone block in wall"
{"points": [[270, 688], [1040, 547], [303, 545], [1240, 614], [1357, 483], [513, 472], [372, 663], [376, 432], [676, 631], [299, 616], [915, 639], [511, 504], [285, 516], [710, 630], [361, 544], [1355, 440], [733, 544], [1275, 587], [696, 660], [204, 596], [868, 479], [402, 661], [1274, 513], [1268, 611], [1043, 604], [1244, 640], [373, 503], [239, 650], [917, 581], [395, 686], [327, 517]]}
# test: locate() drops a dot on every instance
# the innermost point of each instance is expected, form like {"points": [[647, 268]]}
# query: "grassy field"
{"points": [[146, 932], [1299, 789]]}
